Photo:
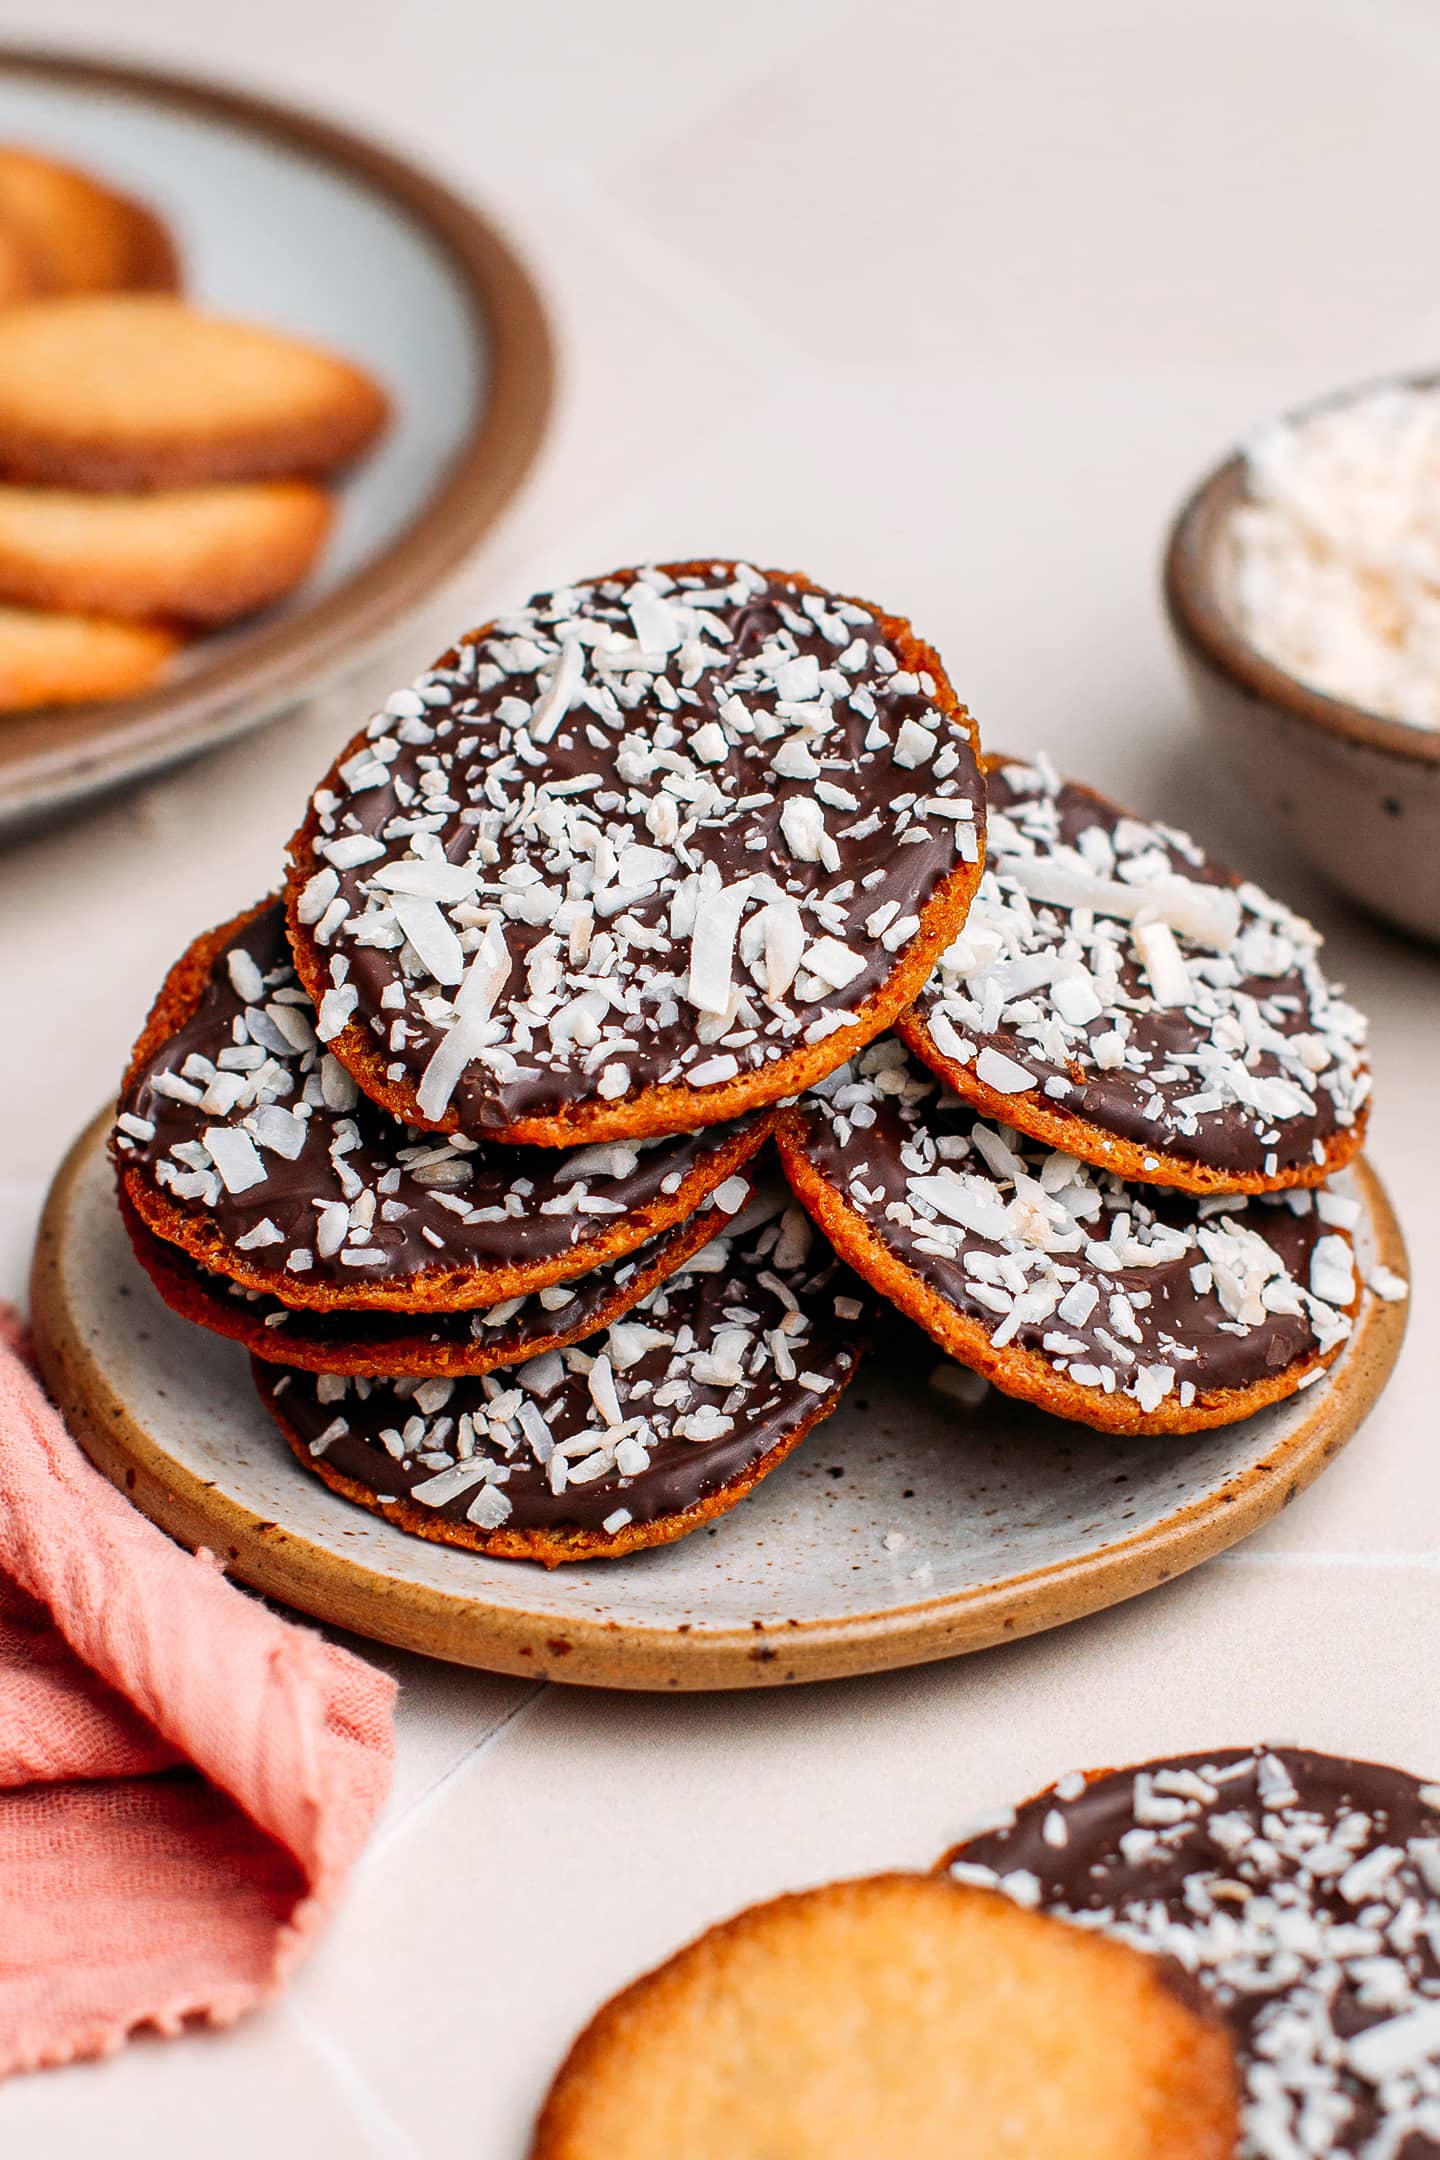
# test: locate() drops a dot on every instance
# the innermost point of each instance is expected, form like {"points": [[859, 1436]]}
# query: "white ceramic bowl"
{"points": [[1355, 792]]}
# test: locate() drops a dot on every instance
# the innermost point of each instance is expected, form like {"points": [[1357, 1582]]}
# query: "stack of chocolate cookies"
{"points": [[466, 1135], [1093, 1160]]}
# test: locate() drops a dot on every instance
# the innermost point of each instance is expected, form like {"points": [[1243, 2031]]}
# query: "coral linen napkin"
{"points": [[185, 1779]]}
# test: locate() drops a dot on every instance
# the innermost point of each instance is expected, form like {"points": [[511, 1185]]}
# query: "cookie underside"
{"points": [[896, 2015]]}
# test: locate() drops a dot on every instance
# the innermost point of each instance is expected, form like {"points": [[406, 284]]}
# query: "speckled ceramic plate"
{"points": [[285, 219], [1008, 1521]]}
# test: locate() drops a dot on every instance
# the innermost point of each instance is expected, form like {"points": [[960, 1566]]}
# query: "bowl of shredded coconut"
{"points": [[1302, 580]]}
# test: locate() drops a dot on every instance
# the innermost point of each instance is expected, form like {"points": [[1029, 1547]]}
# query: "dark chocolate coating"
{"points": [[1142, 1105], [292, 1190], [1371, 1805], [475, 746], [681, 1471]]}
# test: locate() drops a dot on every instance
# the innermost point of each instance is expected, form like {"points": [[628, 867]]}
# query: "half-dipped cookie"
{"points": [[634, 1438], [1300, 1891], [426, 1345], [648, 853], [240, 1139], [1118, 995], [1129, 1308]]}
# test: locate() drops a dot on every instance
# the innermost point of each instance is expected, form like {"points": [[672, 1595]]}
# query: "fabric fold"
{"points": [[186, 1779]]}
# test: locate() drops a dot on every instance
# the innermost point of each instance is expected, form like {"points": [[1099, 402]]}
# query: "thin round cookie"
{"points": [[1129, 1308], [648, 853], [199, 555], [77, 234], [56, 659], [427, 1345], [1302, 1893], [241, 1140], [1117, 994], [636, 1438], [901, 2017], [130, 391], [17, 271]]}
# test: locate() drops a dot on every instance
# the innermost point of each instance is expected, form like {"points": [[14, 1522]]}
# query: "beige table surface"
{"points": [[945, 304]]}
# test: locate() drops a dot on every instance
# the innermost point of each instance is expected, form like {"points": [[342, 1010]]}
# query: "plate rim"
{"points": [[285, 1564], [245, 688]]}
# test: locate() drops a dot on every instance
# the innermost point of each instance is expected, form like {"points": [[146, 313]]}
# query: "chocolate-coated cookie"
{"points": [[1131, 1308], [650, 852], [633, 1438], [425, 1345], [1301, 1891], [240, 1139], [1117, 994]]}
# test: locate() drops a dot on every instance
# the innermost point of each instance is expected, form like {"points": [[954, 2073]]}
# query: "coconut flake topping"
{"points": [[1126, 1289], [1104, 966], [659, 830]]}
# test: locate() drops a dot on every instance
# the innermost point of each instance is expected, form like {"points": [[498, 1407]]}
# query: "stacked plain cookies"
{"points": [[466, 1136], [159, 467]]}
